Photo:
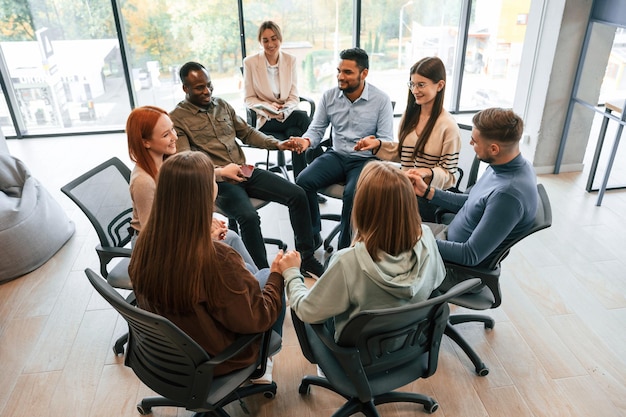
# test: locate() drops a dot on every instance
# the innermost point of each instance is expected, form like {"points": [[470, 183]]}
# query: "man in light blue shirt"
{"points": [[355, 110]]}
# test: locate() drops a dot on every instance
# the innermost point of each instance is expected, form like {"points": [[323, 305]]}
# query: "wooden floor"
{"points": [[558, 348]]}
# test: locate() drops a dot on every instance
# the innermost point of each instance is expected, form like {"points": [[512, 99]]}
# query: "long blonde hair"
{"points": [[385, 214], [173, 262]]}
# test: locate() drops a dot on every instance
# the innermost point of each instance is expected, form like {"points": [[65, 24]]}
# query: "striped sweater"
{"points": [[441, 152]]}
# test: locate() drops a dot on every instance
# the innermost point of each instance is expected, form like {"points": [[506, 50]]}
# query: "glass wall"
{"points": [[397, 34], [62, 59], [164, 34], [494, 50], [314, 31], [68, 74]]}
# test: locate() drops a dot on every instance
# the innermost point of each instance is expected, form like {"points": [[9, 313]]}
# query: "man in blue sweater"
{"points": [[503, 203]]}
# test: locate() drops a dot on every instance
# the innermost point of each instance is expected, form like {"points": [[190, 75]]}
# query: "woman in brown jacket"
{"points": [[201, 285]]}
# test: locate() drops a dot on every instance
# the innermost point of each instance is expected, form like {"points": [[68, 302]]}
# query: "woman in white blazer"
{"points": [[270, 89]]}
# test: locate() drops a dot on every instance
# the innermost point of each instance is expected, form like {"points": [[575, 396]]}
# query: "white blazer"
{"points": [[257, 87]]}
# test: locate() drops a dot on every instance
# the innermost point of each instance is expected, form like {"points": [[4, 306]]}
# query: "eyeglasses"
{"points": [[419, 86]]}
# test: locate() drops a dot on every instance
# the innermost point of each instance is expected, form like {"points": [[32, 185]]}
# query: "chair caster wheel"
{"points": [[143, 411], [269, 395], [483, 371], [304, 389], [432, 408]]}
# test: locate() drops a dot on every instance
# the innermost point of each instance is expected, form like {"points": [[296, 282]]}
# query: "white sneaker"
{"points": [[320, 373], [266, 378]]}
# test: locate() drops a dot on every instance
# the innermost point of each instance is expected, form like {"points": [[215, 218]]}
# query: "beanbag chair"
{"points": [[33, 226]]}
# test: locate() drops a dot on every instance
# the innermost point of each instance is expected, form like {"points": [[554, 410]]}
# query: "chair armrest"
{"points": [[489, 277], [300, 329], [106, 254], [234, 349]]}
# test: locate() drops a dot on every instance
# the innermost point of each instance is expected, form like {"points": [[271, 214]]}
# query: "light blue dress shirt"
{"points": [[370, 114]]}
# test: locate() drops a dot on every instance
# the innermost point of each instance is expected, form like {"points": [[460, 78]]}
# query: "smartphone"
{"points": [[247, 170]]}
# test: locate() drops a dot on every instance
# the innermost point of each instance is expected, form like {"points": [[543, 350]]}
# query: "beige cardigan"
{"points": [[257, 87]]}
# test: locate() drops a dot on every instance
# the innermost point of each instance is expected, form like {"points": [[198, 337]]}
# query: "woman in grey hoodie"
{"points": [[393, 259]]}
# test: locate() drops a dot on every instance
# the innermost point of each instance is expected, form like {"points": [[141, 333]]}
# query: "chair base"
{"points": [[268, 391], [452, 333], [368, 408]]}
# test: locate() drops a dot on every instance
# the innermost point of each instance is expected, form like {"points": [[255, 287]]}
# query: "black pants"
{"points": [[234, 201]]}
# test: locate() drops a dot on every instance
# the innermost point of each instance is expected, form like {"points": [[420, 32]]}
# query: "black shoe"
{"points": [[321, 199], [317, 241], [312, 265]]}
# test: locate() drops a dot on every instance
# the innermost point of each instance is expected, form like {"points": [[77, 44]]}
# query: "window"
{"points": [[67, 73], [314, 31], [57, 57]]}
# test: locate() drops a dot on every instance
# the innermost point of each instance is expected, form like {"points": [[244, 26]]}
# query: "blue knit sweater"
{"points": [[500, 207]]}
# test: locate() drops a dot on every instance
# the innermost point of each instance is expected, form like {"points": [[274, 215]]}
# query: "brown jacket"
{"points": [[243, 308]]}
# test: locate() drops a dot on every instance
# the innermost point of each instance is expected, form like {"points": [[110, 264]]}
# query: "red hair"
{"points": [[139, 127]]}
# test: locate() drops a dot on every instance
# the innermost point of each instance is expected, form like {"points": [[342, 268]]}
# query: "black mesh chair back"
{"points": [[102, 194], [173, 365], [543, 220], [377, 352]]}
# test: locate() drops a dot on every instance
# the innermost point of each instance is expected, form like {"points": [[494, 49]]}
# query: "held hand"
{"points": [[275, 267], [291, 259], [232, 173], [367, 143], [419, 185], [425, 173], [300, 144], [218, 229], [287, 145]]}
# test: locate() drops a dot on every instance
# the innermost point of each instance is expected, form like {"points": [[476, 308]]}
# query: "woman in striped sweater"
{"points": [[429, 139]]}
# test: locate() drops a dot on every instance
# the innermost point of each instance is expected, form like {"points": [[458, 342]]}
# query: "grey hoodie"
{"points": [[354, 282]]}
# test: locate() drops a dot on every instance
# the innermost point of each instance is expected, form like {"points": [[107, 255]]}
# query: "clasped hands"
{"points": [[420, 178], [218, 229], [285, 260], [295, 144]]}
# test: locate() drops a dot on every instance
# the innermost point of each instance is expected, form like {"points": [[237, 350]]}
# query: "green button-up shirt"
{"points": [[214, 129]]}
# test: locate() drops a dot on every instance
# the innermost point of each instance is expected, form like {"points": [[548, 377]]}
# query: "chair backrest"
{"points": [[543, 220], [102, 194], [163, 357], [395, 337]]}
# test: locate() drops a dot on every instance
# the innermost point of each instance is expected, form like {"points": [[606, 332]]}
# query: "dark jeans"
{"points": [[427, 210], [234, 201], [331, 168], [296, 124]]}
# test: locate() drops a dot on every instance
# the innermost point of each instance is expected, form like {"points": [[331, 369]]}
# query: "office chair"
{"points": [[172, 364], [281, 166], [490, 295], [102, 194], [377, 352]]}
